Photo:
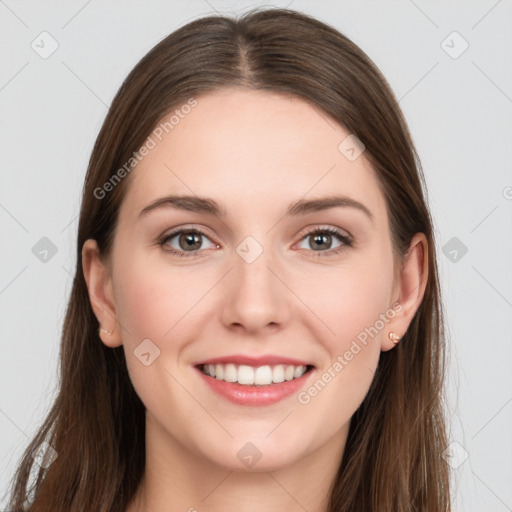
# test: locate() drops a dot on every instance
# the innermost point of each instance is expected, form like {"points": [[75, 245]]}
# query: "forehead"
{"points": [[247, 147]]}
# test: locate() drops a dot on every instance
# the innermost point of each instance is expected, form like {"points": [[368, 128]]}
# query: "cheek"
{"points": [[348, 300], [151, 299], [153, 302], [353, 305]]}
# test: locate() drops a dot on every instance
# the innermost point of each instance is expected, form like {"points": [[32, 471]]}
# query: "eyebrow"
{"points": [[211, 207]]}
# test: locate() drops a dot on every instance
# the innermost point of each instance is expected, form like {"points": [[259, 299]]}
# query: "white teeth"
{"points": [[278, 373], [263, 376], [249, 376], [297, 372], [230, 373], [245, 375]]}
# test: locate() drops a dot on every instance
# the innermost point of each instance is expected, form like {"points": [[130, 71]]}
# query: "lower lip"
{"points": [[255, 395]]}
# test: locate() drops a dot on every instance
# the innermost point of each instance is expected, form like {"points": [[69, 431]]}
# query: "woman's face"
{"points": [[255, 282]]}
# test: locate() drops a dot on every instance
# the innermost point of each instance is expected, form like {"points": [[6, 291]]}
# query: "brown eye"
{"points": [[184, 241], [321, 240], [190, 240]]}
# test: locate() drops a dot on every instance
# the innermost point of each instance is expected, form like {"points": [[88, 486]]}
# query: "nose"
{"points": [[256, 297]]}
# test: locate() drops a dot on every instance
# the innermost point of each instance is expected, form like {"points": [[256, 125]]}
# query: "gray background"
{"points": [[458, 106]]}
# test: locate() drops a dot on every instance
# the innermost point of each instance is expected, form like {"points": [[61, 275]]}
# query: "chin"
{"points": [[256, 454]]}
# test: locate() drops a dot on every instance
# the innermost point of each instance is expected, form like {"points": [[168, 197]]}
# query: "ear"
{"points": [[411, 286], [99, 285]]}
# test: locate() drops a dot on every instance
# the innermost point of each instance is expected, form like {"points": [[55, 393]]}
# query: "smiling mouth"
{"points": [[245, 375]]}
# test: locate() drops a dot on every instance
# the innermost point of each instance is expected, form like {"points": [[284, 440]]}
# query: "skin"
{"points": [[254, 153]]}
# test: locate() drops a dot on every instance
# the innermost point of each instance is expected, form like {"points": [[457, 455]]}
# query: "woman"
{"points": [[214, 352]]}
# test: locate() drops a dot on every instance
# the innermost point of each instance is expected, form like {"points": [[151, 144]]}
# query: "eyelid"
{"points": [[186, 227], [311, 229]]}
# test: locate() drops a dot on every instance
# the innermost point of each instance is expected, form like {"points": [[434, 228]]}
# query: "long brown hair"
{"points": [[392, 459]]}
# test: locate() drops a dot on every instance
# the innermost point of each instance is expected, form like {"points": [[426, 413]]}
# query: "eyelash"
{"points": [[346, 240]]}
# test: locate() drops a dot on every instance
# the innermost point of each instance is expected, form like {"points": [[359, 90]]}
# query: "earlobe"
{"points": [[99, 286], [411, 289]]}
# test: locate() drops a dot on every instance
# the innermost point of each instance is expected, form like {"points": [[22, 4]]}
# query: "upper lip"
{"points": [[268, 360]]}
